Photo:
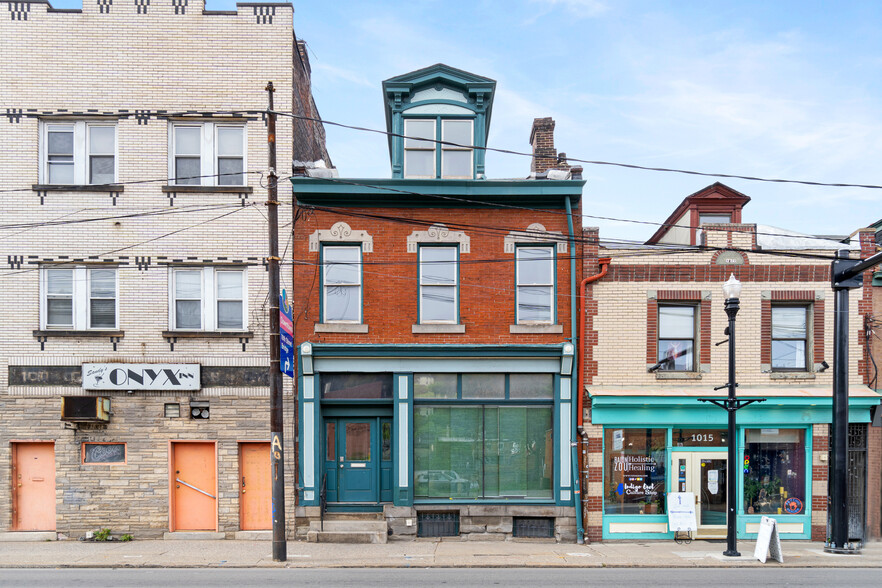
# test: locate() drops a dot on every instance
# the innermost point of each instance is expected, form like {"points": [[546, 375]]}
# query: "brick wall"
{"points": [[106, 58]]}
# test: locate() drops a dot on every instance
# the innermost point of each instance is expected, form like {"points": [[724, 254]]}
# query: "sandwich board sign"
{"points": [[681, 512], [768, 541]]}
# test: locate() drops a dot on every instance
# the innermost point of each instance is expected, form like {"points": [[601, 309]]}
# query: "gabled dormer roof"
{"points": [[716, 198]]}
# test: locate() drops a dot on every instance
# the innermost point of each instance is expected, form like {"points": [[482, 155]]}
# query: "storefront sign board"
{"points": [[768, 541], [681, 511]]}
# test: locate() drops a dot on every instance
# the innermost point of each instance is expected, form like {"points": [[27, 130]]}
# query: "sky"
{"points": [[779, 89]]}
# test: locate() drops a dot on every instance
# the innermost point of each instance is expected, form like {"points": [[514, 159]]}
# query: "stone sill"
{"points": [[791, 376], [341, 328], [440, 328], [184, 188], [95, 333], [77, 187], [524, 329], [677, 376], [207, 334]]}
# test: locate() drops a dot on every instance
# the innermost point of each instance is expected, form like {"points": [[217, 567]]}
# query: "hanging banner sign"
{"points": [[286, 335]]}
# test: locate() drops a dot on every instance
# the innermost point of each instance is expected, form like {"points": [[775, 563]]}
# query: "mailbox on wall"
{"points": [[85, 409]]}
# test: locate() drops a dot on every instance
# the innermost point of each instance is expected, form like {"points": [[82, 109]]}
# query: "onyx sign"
{"points": [[141, 376]]}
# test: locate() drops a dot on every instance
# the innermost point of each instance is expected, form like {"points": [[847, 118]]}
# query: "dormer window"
{"points": [[423, 156]]}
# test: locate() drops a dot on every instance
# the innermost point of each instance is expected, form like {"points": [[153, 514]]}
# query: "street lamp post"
{"points": [[732, 292]]}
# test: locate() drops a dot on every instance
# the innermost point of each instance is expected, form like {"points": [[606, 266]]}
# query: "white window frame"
{"points": [[208, 298], [805, 307], [81, 153], [455, 286], [81, 296], [552, 284], [360, 283], [208, 153], [421, 147], [660, 338], [448, 148]]}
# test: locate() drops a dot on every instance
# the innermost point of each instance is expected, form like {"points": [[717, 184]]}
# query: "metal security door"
{"points": [[255, 487], [857, 480], [357, 461], [194, 486], [33, 487]]}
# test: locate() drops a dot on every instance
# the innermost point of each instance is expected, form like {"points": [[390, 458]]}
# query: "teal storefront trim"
{"points": [[402, 361], [744, 519]]}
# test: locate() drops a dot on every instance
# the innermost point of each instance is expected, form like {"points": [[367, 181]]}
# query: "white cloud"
{"points": [[579, 8]]}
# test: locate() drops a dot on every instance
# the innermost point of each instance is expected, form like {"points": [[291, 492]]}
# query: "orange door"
{"points": [[33, 491], [255, 487], [194, 490]]}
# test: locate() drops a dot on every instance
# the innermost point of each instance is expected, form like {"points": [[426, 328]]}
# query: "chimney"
{"points": [[545, 156]]}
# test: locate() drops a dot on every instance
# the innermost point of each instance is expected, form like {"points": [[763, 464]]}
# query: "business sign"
{"points": [[286, 335], [141, 376]]}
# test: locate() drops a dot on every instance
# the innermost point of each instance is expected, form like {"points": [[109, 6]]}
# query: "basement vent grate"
{"points": [[438, 524], [533, 527]]}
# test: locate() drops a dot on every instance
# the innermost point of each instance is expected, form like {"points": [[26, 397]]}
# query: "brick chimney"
{"points": [[545, 156]]}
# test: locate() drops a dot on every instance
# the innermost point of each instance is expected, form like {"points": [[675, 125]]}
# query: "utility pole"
{"points": [[280, 541], [845, 274]]}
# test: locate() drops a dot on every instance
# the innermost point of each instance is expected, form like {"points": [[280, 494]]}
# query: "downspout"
{"points": [[580, 363], [574, 453]]}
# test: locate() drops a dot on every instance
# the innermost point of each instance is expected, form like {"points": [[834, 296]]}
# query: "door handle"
{"points": [[243, 481]]}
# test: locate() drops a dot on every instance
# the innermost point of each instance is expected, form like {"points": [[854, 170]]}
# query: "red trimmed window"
{"points": [[792, 331], [678, 333]]}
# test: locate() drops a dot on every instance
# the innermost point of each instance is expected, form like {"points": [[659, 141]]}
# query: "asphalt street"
{"points": [[461, 578]]}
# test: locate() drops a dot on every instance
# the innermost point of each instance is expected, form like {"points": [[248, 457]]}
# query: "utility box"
{"points": [[85, 409]]}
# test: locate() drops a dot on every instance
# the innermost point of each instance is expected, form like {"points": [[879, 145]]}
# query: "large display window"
{"points": [[774, 471], [634, 465]]}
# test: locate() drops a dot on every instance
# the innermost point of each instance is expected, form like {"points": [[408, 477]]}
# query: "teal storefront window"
{"points": [[634, 466], [774, 471], [483, 452]]}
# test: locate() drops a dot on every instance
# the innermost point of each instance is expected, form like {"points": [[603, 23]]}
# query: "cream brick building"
{"points": [[655, 326], [133, 237]]}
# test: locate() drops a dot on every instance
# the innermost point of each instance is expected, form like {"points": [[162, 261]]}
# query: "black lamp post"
{"points": [[732, 292]]}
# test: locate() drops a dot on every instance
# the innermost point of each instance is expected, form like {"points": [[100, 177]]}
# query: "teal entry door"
{"points": [[358, 460]]}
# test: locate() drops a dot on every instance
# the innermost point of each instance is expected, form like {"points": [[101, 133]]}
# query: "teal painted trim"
{"points": [[419, 281], [416, 193], [370, 350], [360, 277], [402, 495], [465, 105], [348, 410], [577, 393], [489, 501], [662, 411]]}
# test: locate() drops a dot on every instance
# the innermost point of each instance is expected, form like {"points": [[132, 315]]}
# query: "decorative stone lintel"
{"points": [[677, 376], [341, 328], [438, 233], [652, 294], [820, 294], [429, 328], [525, 329], [535, 233], [341, 232]]}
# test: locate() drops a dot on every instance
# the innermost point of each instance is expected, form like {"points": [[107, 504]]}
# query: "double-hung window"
{"points": [[422, 155], [341, 284], [78, 153], [535, 284], [79, 298], [208, 299], [207, 154], [676, 337], [439, 279], [789, 337]]}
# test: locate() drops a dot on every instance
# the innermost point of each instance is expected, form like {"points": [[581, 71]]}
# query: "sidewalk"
{"points": [[227, 553]]}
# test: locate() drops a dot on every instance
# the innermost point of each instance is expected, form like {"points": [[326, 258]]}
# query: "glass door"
{"points": [[705, 475]]}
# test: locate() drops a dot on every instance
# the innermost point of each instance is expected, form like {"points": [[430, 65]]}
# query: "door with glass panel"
{"points": [[704, 474], [357, 462]]}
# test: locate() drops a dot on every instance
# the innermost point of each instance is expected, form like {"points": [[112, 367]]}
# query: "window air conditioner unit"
{"points": [[85, 409]]}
